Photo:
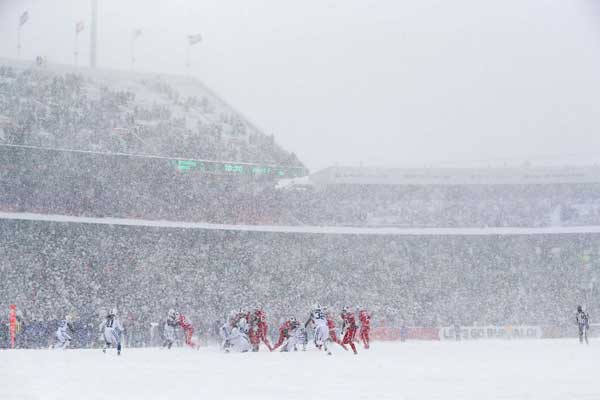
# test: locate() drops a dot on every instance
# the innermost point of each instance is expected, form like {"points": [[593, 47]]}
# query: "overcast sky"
{"points": [[386, 82]]}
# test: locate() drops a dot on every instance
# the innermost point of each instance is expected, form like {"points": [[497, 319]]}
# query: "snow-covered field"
{"points": [[534, 369]]}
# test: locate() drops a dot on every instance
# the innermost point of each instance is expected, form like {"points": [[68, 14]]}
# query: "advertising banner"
{"points": [[490, 332]]}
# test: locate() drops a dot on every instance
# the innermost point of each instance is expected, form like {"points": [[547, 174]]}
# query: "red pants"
{"points": [[266, 341], [262, 333], [188, 333], [253, 336], [349, 338], [364, 336], [256, 337], [334, 339], [282, 337]]}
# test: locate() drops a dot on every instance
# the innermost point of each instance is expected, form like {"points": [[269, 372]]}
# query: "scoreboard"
{"points": [[100, 160], [235, 168]]}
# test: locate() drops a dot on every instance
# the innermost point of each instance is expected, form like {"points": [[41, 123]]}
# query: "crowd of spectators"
{"points": [[50, 182], [50, 269], [46, 110], [147, 115], [49, 108], [82, 184], [447, 206]]}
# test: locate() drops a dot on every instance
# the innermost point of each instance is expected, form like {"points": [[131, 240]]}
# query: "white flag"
{"points": [[24, 18], [79, 27], [194, 39]]}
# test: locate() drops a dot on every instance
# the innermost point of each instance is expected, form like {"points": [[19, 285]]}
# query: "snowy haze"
{"points": [[373, 82]]}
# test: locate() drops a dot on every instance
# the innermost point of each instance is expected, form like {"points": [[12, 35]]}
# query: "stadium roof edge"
{"points": [[455, 176]]}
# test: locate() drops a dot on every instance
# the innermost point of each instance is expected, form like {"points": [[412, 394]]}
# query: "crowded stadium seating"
{"points": [[54, 268], [105, 144], [109, 111], [109, 116], [447, 206]]}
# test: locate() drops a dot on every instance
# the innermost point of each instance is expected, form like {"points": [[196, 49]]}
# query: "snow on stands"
{"points": [[486, 369]]}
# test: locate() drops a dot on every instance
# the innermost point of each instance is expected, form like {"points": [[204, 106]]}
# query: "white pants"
{"points": [[293, 342], [169, 333], [239, 342], [63, 339], [321, 334], [111, 336]]}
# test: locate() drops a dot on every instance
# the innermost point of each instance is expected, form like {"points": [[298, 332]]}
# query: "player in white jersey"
{"points": [[238, 336], [169, 329], [225, 333], [112, 329], [65, 327], [319, 321], [297, 337], [226, 328]]}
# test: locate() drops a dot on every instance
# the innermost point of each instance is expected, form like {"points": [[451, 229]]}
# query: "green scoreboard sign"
{"points": [[216, 167]]}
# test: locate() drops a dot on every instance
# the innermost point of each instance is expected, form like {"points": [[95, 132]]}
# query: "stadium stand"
{"points": [[104, 118], [476, 197], [112, 111], [53, 268], [106, 145]]}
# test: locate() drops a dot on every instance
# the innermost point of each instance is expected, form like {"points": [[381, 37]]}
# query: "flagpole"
{"points": [[134, 35], [132, 52], [22, 20], [19, 40], [188, 61], [76, 47], [192, 40]]}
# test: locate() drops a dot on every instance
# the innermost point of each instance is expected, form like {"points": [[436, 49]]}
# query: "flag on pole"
{"points": [[136, 33], [23, 18], [79, 27], [194, 39]]}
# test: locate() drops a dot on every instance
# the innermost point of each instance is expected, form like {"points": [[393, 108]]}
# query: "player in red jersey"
{"points": [[349, 328], [188, 330], [332, 335], [253, 333], [263, 328], [365, 326], [284, 332], [258, 329]]}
